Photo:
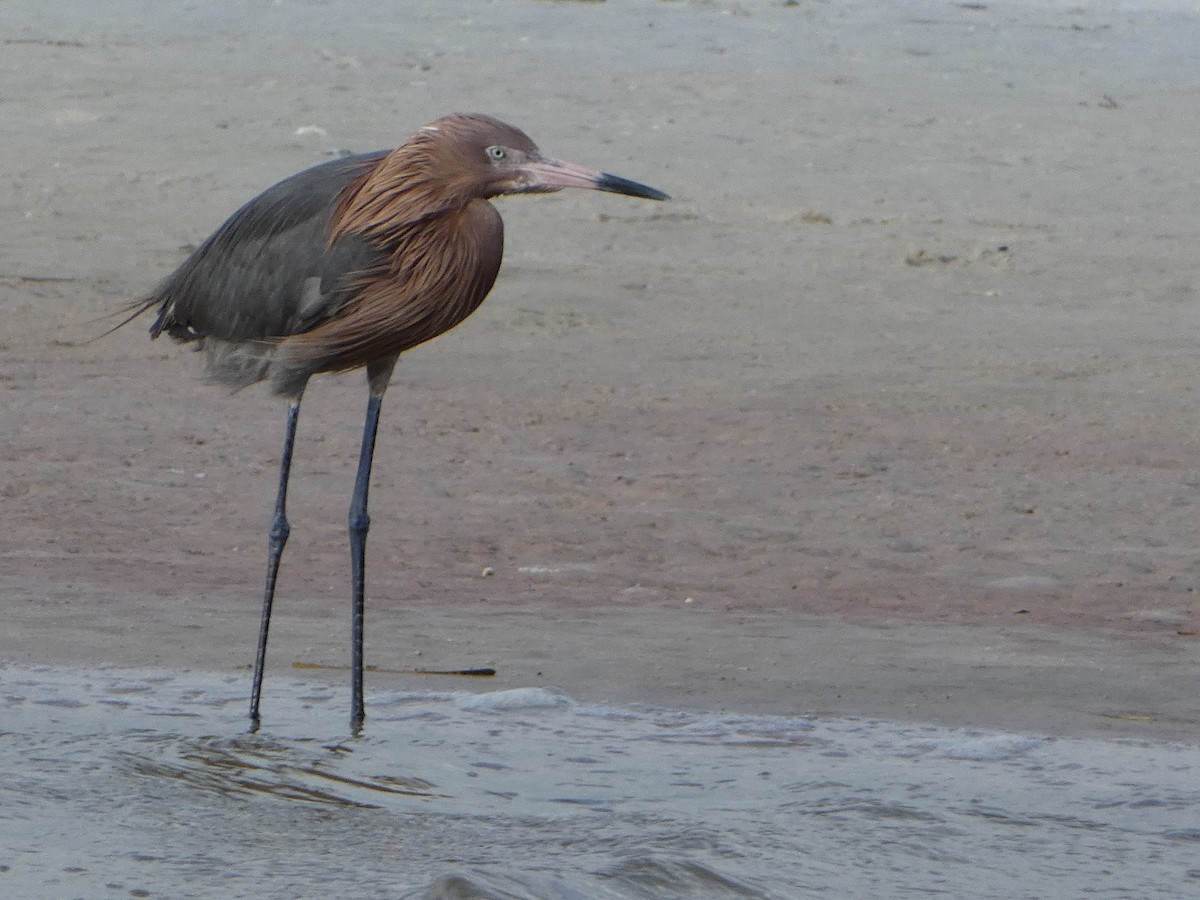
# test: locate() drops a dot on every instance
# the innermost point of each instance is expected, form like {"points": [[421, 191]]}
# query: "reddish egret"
{"points": [[349, 264]]}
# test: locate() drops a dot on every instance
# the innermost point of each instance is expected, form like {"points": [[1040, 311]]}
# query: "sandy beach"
{"points": [[891, 412]]}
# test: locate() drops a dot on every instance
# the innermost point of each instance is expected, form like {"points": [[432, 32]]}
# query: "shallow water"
{"points": [[140, 783]]}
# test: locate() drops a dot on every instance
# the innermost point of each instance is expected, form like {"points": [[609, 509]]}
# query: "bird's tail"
{"points": [[130, 311]]}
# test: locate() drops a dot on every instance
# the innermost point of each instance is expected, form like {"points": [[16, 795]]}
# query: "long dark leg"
{"points": [[278, 537], [378, 373]]}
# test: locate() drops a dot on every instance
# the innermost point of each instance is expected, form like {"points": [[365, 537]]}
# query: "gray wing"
{"points": [[269, 271]]}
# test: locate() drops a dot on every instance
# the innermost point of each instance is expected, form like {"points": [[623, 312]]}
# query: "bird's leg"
{"points": [[278, 537], [379, 373]]}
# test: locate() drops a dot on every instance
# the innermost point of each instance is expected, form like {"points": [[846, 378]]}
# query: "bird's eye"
{"points": [[496, 154]]}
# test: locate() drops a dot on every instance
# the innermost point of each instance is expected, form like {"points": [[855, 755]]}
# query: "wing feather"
{"points": [[246, 282]]}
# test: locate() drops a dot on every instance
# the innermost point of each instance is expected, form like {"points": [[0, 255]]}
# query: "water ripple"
{"points": [[149, 780]]}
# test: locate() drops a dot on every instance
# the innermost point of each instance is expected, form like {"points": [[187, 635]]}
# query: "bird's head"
{"points": [[450, 163], [494, 158]]}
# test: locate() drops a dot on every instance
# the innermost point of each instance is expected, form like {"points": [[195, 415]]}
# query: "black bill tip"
{"points": [[617, 185]]}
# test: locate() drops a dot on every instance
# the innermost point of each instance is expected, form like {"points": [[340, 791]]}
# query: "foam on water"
{"points": [[121, 781]]}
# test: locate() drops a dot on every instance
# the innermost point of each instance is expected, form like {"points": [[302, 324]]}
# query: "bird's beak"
{"points": [[554, 174]]}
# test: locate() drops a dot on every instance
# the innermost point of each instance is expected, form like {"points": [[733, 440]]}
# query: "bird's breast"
{"points": [[427, 278], [441, 272]]}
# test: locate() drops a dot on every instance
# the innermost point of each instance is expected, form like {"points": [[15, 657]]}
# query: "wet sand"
{"points": [[890, 412]]}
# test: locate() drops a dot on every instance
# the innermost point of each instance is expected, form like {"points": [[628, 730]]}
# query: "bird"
{"points": [[347, 265]]}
